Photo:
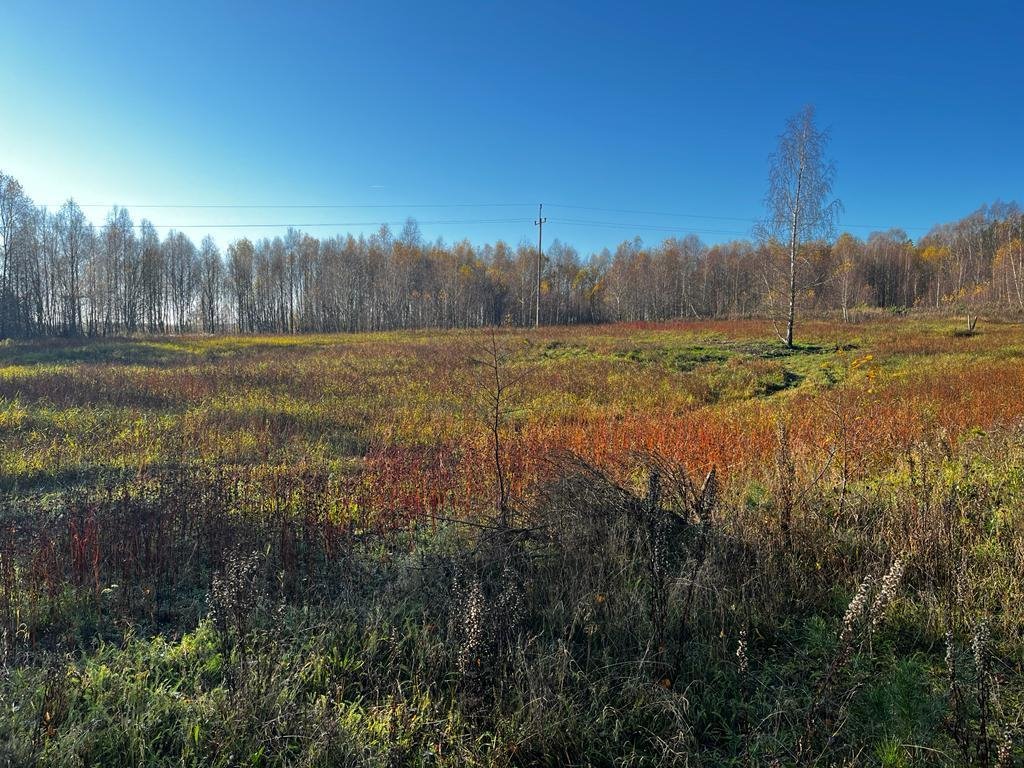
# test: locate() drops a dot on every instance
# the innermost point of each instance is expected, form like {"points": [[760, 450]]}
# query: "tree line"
{"points": [[61, 275]]}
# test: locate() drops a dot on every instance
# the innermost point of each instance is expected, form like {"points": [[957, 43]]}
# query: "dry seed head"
{"points": [[741, 652], [857, 608], [887, 591], [1004, 756], [472, 624], [980, 648], [950, 660]]}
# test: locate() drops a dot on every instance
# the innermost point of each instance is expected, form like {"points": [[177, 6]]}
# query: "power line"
{"points": [[290, 206], [656, 213], [647, 227], [752, 220], [341, 206], [249, 225], [585, 223]]}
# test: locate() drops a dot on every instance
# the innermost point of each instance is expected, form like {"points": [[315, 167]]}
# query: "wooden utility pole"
{"points": [[539, 223]]}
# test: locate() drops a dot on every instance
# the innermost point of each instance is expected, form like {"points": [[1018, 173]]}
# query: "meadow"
{"points": [[632, 544]]}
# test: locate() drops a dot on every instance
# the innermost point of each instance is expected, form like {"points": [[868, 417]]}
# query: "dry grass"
{"points": [[288, 551]]}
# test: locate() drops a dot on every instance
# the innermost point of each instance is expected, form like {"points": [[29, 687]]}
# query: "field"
{"points": [[632, 544]]}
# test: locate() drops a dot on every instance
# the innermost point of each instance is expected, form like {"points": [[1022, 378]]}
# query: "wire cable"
{"points": [[391, 206], [646, 227], [251, 225], [293, 206], [752, 220]]}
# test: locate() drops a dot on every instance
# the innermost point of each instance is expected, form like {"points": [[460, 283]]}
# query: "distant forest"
{"points": [[63, 276]]}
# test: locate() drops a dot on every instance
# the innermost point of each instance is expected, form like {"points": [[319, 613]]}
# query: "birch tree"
{"points": [[799, 209]]}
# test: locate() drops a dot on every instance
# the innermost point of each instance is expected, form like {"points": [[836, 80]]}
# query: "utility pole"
{"points": [[539, 223]]}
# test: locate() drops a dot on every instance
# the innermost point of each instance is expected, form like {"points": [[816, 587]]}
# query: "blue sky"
{"points": [[667, 108]]}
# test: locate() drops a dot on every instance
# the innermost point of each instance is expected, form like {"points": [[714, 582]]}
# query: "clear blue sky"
{"points": [[669, 107]]}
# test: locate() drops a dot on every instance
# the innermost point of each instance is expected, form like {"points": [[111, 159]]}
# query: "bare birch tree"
{"points": [[798, 206]]}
